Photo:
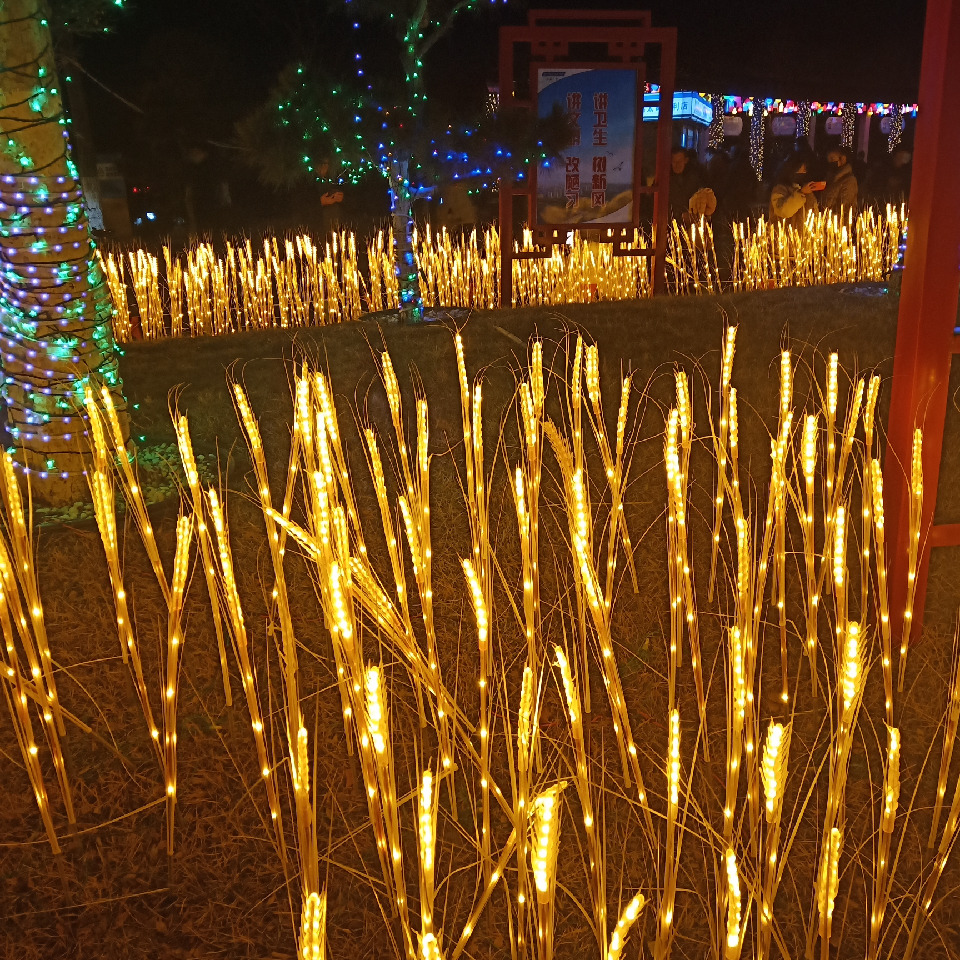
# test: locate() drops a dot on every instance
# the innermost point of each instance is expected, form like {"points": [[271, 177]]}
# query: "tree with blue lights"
{"points": [[330, 132], [55, 310]]}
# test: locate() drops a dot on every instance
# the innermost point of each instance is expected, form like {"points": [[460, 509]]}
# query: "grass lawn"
{"points": [[113, 892]]}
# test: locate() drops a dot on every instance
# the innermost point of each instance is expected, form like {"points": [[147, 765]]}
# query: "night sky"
{"points": [[224, 53]]}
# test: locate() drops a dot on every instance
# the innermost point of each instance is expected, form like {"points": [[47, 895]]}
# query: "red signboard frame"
{"points": [[626, 37]]}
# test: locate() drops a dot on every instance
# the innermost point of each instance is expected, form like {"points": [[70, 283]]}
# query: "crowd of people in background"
{"points": [[725, 187]]}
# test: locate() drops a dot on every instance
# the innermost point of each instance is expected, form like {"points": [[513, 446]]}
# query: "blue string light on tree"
{"points": [[55, 310]]}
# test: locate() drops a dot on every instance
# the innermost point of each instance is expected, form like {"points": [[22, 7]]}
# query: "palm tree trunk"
{"points": [[401, 214], [55, 310]]}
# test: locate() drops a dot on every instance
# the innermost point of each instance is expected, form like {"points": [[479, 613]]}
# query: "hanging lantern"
{"points": [[715, 136], [803, 119], [896, 127], [756, 138]]}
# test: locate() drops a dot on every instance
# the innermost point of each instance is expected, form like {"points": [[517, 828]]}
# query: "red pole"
{"points": [[928, 304]]}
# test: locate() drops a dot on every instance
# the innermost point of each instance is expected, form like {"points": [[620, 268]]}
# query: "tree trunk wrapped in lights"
{"points": [[55, 309]]}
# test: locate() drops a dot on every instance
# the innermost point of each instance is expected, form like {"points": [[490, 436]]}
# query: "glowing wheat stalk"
{"points": [[831, 416], [827, 885], [734, 936], [238, 635], [618, 938], [427, 837], [869, 412], [543, 862], [776, 751], [584, 792], [19, 573], [726, 372], [876, 490], [913, 553], [888, 817], [187, 458], [809, 463], [313, 927], [672, 848], [949, 739], [181, 566]]}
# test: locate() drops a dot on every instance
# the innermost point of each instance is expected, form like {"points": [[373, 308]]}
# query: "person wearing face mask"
{"points": [[841, 191], [792, 197]]}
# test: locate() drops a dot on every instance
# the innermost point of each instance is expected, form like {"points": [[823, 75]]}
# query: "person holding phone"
{"points": [[841, 193], [792, 197]]}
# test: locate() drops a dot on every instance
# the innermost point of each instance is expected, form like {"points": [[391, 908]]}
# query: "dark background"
{"points": [[193, 67]]}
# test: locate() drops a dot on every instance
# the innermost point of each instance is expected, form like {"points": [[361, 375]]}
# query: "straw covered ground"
{"points": [[238, 885]]}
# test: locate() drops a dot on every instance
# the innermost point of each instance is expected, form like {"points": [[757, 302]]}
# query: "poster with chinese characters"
{"points": [[592, 183]]}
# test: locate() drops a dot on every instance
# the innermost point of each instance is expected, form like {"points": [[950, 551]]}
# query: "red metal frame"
{"points": [[926, 341], [626, 35]]}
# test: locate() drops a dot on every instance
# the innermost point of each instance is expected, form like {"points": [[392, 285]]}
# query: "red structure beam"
{"points": [[926, 340]]}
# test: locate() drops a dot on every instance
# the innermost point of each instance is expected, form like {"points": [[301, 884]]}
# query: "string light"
{"points": [[756, 139], [55, 310]]}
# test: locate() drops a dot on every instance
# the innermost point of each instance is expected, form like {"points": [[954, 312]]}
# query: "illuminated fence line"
{"points": [[300, 281]]}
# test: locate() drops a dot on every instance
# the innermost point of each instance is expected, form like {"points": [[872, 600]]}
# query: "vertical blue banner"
{"points": [[592, 183]]}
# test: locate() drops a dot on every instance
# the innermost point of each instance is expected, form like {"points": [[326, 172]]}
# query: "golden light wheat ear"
{"points": [[883, 602], [809, 464], [733, 940], [664, 939], [949, 738], [774, 766], [584, 787], [913, 550], [171, 684], [189, 462], [21, 590], [882, 878], [866, 484], [543, 863], [828, 884], [313, 927], [779, 484], [427, 842], [726, 372], [618, 939]]}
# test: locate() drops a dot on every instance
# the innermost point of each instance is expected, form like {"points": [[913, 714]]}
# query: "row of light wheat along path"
{"points": [[306, 281]]}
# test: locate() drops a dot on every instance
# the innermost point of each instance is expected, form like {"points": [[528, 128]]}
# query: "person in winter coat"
{"points": [[840, 194], [789, 201]]}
